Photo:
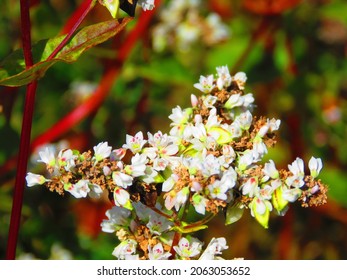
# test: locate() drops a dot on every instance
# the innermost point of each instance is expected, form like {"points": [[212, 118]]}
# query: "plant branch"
{"points": [[90, 5], [24, 148]]}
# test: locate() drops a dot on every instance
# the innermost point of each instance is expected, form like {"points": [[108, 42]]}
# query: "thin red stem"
{"points": [[73, 29], [24, 148]]}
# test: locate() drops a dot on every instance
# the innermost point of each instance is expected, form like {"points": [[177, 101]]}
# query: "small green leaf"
{"points": [[12, 69], [234, 213]]}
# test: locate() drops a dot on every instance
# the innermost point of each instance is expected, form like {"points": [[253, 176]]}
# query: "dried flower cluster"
{"points": [[209, 162]]}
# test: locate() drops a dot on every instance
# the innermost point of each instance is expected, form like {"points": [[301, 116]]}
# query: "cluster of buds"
{"points": [[183, 24], [210, 161]]}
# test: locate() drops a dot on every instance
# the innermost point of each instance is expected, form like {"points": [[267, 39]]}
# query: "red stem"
{"points": [[24, 148], [88, 8]]}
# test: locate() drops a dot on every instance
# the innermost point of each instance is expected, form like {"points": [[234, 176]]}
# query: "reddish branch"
{"points": [[24, 148]]}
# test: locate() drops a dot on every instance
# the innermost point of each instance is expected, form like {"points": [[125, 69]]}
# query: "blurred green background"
{"points": [[294, 54]]}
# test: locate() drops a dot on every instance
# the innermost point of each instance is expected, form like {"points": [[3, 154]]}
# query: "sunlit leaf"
{"points": [[12, 69]]}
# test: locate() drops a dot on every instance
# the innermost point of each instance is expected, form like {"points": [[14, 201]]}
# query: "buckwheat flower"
{"points": [[245, 120], [34, 179], [106, 170], [260, 209], [214, 248], [259, 149], [122, 198], [245, 160], [251, 187], [188, 248], [137, 167], [210, 165], [66, 159], [181, 198], [291, 194], [240, 78], [47, 156], [224, 78], [101, 151], [205, 84], [296, 181], [169, 183], [218, 30], [118, 154], [218, 190], [95, 191], [125, 250], [248, 100], [235, 130], [158, 224], [80, 189], [209, 101], [121, 179], [274, 124], [297, 167], [229, 178], [199, 203], [134, 143], [194, 100], [235, 100], [118, 217], [315, 165], [270, 170], [146, 4], [157, 252], [228, 155]]}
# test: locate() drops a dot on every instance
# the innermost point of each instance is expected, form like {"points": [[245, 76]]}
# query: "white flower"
{"points": [[240, 78], [95, 191], [121, 179], [157, 252], [125, 250], [66, 158], [205, 84], [101, 151], [260, 206], [245, 160], [291, 195], [224, 78], [245, 120], [146, 4], [250, 188], [270, 170], [315, 165], [137, 167], [199, 203], [218, 190], [188, 248], [297, 166], [117, 216], [214, 248], [181, 198], [158, 224], [118, 154], [135, 143], [121, 197], [80, 189], [47, 156], [235, 100], [194, 100], [34, 179]]}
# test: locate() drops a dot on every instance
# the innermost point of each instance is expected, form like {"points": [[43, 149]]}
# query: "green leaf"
{"points": [[12, 69], [234, 213]]}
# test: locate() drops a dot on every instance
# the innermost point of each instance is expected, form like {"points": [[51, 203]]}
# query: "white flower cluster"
{"points": [[210, 160], [182, 24]]}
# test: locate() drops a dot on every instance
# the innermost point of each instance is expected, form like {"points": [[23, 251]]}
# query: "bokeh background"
{"points": [[295, 56]]}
